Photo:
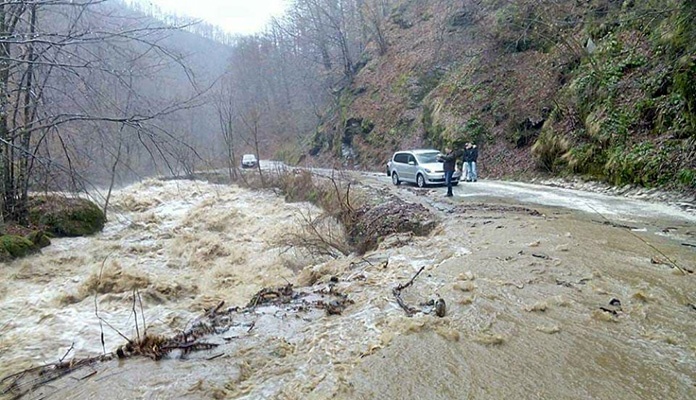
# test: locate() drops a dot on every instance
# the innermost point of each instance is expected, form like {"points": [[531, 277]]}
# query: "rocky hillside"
{"points": [[600, 88]]}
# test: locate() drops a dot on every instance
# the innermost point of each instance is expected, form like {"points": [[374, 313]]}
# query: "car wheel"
{"points": [[455, 183], [395, 178], [420, 181]]}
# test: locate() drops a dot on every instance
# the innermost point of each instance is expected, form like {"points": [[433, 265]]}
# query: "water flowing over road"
{"points": [[546, 300]]}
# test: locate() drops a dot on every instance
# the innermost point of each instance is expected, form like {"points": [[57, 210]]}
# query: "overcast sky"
{"points": [[234, 16]]}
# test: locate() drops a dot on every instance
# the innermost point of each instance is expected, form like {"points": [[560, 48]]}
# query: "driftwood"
{"points": [[397, 293], [23, 382], [281, 295], [214, 321]]}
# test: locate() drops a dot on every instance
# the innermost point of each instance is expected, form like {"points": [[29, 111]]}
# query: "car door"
{"points": [[411, 168]]}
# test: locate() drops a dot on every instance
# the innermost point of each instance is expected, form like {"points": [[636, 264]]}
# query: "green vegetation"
{"points": [[15, 246], [520, 26], [628, 114], [62, 216], [433, 130], [39, 239]]}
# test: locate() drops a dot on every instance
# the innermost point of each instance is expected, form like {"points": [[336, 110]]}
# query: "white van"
{"points": [[420, 167]]}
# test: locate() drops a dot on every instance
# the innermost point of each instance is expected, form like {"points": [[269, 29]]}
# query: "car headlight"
{"points": [[427, 170]]}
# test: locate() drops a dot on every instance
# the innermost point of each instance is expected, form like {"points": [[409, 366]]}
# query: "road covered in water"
{"points": [[550, 293]]}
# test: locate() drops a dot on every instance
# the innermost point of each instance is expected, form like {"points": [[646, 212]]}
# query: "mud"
{"points": [[527, 291]]}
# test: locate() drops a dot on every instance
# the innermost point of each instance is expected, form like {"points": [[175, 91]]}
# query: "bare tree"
{"points": [[67, 68], [373, 13]]}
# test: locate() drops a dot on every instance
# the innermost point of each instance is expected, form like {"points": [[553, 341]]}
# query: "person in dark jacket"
{"points": [[449, 162], [470, 158]]}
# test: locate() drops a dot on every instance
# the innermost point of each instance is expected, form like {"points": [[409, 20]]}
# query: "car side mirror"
{"points": [[411, 162]]}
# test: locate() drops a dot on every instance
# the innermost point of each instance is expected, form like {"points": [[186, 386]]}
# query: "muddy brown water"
{"points": [[528, 304]]}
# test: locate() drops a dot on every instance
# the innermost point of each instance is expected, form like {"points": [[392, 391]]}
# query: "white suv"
{"points": [[420, 167]]}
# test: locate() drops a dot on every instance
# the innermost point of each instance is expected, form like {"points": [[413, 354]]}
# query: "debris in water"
{"points": [[659, 261], [440, 308], [397, 294], [615, 225], [281, 295], [613, 308], [561, 282], [23, 382], [334, 307], [214, 321]]}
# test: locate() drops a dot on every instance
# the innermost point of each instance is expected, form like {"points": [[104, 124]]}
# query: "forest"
{"points": [[97, 94]]}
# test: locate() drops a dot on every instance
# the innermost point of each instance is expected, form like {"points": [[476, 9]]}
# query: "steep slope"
{"points": [[599, 88]]}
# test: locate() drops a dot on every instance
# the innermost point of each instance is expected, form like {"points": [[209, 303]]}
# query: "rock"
{"points": [[39, 239], [613, 308], [65, 216], [15, 246], [591, 47], [461, 18], [440, 308]]}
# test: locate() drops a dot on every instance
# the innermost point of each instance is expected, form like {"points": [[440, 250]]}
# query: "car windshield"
{"points": [[248, 157], [427, 158]]}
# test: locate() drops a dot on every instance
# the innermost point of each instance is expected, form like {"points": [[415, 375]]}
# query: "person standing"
{"points": [[449, 161], [465, 162], [470, 158]]}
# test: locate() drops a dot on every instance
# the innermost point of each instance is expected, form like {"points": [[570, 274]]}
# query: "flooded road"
{"points": [[542, 302], [614, 207]]}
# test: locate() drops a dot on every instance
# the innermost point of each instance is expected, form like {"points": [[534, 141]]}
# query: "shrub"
{"points": [[39, 239], [15, 246], [63, 216], [549, 149]]}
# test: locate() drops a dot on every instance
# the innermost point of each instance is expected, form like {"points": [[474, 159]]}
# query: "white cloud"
{"points": [[234, 16]]}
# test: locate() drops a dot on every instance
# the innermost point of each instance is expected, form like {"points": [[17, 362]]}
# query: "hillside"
{"points": [[604, 89]]}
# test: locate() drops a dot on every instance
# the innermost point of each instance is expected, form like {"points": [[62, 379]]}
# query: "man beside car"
{"points": [[449, 162]]}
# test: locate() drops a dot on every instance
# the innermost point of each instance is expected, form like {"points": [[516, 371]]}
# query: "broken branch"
{"points": [[397, 294]]}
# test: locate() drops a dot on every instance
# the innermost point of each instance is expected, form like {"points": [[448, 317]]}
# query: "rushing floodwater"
{"points": [[525, 299]]}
